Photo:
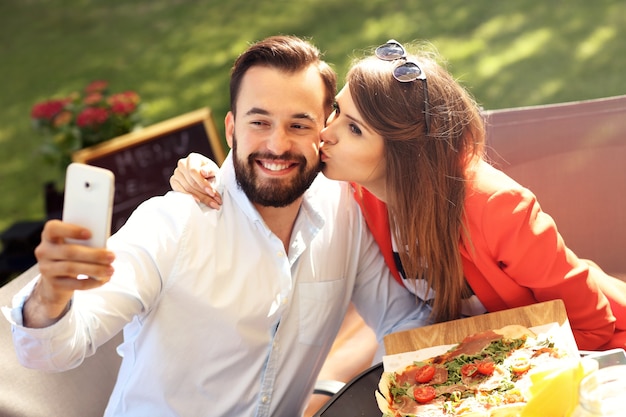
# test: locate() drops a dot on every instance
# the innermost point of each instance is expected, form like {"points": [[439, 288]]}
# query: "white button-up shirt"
{"points": [[218, 320]]}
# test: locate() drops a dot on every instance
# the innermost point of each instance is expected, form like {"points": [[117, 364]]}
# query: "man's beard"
{"points": [[272, 192]]}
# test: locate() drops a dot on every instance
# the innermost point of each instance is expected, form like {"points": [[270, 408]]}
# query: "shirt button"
{"points": [[285, 300], [264, 399], [280, 254]]}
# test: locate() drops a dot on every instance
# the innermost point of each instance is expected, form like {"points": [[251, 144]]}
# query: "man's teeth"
{"points": [[273, 166]]}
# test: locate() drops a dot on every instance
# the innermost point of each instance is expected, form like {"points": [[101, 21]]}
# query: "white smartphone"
{"points": [[88, 201]]}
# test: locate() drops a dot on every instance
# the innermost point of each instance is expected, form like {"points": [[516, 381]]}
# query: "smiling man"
{"points": [[229, 312], [279, 159]]}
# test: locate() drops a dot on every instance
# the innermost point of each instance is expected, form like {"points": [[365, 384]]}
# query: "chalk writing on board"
{"points": [[143, 161]]}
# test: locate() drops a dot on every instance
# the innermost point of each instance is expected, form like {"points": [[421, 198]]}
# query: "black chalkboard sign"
{"points": [[144, 160]]}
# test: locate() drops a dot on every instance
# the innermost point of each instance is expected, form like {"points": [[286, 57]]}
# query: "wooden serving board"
{"points": [[454, 331]]}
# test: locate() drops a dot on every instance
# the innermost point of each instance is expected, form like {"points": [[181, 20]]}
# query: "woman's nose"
{"points": [[327, 136]]}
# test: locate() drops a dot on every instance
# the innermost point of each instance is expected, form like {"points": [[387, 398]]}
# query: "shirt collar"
{"points": [[310, 210]]}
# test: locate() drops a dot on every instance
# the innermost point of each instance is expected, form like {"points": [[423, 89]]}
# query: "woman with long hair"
{"points": [[460, 234]]}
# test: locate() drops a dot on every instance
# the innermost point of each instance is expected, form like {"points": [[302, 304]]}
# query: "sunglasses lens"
{"points": [[390, 51], [407, 72]]}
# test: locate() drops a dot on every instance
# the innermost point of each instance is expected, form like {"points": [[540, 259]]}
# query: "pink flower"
{"points": [[47, 110], [131, 96], [93, 98], [64, 118], [92, 117], [84, 118], [97, 86], [124, 103]]}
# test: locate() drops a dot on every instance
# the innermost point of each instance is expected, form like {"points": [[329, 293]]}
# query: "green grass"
{"points": [[176, 54]]}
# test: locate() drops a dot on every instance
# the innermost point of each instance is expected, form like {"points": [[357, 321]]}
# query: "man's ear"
{"points": [[229, 128]]}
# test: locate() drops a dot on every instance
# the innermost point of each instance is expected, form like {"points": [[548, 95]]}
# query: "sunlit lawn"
{"points": [[177, 55]]}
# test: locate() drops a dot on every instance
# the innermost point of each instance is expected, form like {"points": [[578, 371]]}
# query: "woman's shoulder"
{"points": [[486, 180], [490, 191]]}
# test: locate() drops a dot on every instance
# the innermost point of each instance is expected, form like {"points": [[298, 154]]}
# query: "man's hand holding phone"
{"points": [[64, 268], [72, 254]]}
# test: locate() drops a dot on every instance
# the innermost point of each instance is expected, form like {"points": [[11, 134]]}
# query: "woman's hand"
{"points": [[196, 175]]}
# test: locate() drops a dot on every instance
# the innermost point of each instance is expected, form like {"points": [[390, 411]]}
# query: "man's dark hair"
{"points": [[286, 53]]}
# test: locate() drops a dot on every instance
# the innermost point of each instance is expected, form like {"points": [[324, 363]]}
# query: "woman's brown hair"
{"points": [[426, 171]]}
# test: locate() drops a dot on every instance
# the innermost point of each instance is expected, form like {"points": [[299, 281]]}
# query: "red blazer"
{"points": [[517, 257]]}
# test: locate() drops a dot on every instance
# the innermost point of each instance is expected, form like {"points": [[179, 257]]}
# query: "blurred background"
{"points": [[177, 54]]}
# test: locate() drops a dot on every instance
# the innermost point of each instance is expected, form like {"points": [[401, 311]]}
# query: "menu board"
{"points": [[144, 160]]}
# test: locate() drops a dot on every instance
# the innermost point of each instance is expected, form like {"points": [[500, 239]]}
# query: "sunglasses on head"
{"points": [[406, 72]]}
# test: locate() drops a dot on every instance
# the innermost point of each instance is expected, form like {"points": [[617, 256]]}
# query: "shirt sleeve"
{"points": [[384, 304], [144, 260]]}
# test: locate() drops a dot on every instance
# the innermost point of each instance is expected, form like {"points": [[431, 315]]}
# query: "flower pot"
{"points": [[53, 201]]}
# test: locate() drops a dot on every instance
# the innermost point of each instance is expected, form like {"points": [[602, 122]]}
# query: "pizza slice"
{"points": [[486, 375]]}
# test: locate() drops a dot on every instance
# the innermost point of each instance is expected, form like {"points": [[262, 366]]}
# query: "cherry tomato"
{"points": [[486, 367], [424, 394], [425, 374], [469, 369]]}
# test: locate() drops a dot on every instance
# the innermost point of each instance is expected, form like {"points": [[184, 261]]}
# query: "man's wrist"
{"points": [[39, 312]]}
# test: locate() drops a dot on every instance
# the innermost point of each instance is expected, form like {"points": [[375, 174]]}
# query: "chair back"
{"points": [[80, 392], [573, 157], [356, 398]]}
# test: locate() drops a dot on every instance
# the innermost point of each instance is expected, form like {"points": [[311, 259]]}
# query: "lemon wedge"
{"points": [[554, 390]]}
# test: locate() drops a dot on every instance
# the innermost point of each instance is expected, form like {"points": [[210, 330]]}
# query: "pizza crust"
{"points": [[383, 393], [515, 331]]}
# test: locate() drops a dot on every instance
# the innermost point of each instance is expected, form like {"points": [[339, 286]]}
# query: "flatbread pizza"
{"points": [[485, 375]]}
